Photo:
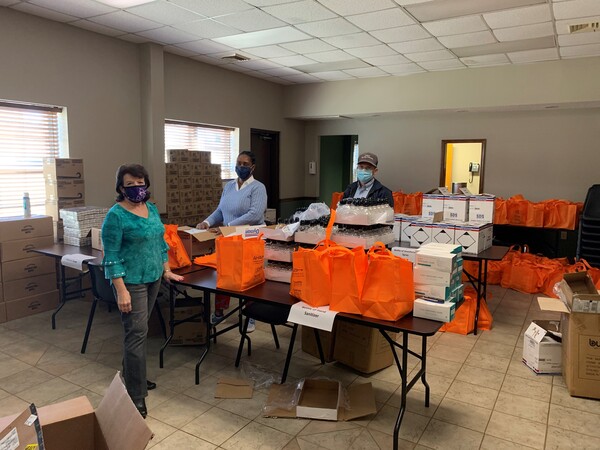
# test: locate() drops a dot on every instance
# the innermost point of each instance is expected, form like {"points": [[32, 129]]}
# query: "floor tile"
{"points": [[205, 391], [472, 394], [415, 402], [49, 391], [522, 431], [560, 396], [527, 388], [443, 367], [333, 440], [412, 426], [216, 425], [501, 338], [178, 411], [463, 414], [58, 362], [289, 426], [518, 368], [489, 362], [10, 366], [561, 439], [250, 408], [180, 440], [12, 405], [439, 385], [160, 429], [255, 436], [449, 353], [481, 377], [574, 420], [442, 435], [21, 381], [458, 340], [384, 441], [495, 349], [88, 374], [494, 443], [524, 407]]}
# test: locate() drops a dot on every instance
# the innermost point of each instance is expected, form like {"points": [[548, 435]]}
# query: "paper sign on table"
{"points": [[303, 314], [76, 260]]}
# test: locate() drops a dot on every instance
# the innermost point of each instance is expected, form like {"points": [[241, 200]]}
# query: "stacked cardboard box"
{"points": [[65, 188], [28, 279], [79, 221], [194, 186]]}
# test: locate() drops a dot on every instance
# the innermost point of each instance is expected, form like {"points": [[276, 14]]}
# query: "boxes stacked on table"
{"points": [[194, 186], [438, 281], [28, 278], [278, 255], [451, 219], [65, 188], [79, 221]]}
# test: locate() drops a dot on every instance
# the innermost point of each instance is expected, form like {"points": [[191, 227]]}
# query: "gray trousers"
{"points": [[135, 326]]}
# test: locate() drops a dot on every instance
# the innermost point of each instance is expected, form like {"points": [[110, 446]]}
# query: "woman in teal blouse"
{"points": [[135, 259]]}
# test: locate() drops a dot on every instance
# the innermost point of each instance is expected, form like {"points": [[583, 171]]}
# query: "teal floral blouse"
{"points": [[134, 247]]}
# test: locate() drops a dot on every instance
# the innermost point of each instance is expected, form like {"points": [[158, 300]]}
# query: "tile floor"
{"points": [[483, 397]]}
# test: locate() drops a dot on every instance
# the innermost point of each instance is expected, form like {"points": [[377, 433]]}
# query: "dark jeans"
{"points": [[135, 326]]}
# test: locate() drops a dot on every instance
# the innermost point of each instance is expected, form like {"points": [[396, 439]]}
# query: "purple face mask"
{"points": [[136, 194]]}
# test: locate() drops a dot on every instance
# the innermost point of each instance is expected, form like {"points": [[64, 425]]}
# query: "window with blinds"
{"points": [[28, 133], [221, 142]]}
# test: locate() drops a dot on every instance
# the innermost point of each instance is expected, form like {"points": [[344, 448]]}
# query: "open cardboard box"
{"points": [[320, 399], [23, 433], [74, 425], [580, 325]]}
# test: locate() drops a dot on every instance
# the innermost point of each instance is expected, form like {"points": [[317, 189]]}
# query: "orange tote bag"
{"points": [[240, 262], [389, 291], [178, 256], [348, 270]]}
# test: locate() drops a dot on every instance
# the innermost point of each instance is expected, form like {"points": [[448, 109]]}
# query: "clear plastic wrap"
{"points": [[263, 378]]}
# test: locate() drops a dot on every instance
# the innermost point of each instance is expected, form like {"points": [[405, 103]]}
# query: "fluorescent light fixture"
{"points": [[124, 3], [505, 47], [331, 66], [444, 9]]}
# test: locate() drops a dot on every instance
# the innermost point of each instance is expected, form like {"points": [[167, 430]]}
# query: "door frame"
{"points": [[483, 143], [274, 175]]}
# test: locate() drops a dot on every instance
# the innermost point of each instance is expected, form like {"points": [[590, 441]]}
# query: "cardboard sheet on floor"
{"points": [[229, 387]]}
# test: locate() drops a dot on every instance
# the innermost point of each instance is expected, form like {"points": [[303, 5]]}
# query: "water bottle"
{"points": [[26, 205]]}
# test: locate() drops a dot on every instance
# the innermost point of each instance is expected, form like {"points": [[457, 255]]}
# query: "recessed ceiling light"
{"points": [[124, 3]]}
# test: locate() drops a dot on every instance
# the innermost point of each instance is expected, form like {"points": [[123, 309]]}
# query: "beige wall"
{"points": [[540, 154]]}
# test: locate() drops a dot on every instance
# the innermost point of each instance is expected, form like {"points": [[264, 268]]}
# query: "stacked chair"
{"points": [[588, 242]]}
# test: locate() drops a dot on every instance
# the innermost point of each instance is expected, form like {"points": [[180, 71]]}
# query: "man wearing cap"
{"points": [[367, 186]]}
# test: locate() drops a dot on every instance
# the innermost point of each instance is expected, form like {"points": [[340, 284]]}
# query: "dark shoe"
{"points": [[151, 385], [141, 407]]}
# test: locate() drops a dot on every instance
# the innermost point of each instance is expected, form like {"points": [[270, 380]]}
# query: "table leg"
{"points": [[424, 369], [171, 325], [63, 294], [206, 298], [479, 294]]}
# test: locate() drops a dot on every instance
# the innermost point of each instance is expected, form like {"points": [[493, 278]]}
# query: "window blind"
{"points": [[27, 135], [219, 141]]}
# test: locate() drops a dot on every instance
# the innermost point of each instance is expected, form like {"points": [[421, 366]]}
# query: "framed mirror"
{"points": [[463, 164]]}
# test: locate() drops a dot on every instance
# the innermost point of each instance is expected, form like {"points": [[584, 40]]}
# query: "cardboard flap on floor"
{"points": [[23, 433], [361, 402], [552, 304], [229, 387], [120, 422]]}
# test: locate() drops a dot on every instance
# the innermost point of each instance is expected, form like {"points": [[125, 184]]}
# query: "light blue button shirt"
{"points": [[363, 190]]}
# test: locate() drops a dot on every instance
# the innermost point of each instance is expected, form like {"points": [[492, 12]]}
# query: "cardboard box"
{"points": [[405, 252], [309, 343], [23, 248], [55, 168], [436, 259], [171, 169], [229, 387], [188, 333], [362, 348], [65, 188], [197, 242], [15, 228], [542, 347], [442, 312], [178, 156], [320, 399], [405, 229], [580, 333], [29, 267], [53, 207], [420, 233], [426, 275], [74, 425], [96, 234], [23, 433], [474, 237], [432, 203], [442, 293], [481, 208], [26, 287], [456, 207], [442, 233], [29, 306]]}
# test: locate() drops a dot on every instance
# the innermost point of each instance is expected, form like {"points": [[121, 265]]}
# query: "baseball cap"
{"points": [[368, 158]]}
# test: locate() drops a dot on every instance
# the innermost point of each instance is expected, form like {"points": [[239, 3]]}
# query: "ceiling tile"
{"points": [[134, 38], [168, 35], [165, 13], [78, 8], [367, 72], [259, 74], [125, 21], [44, 12], [309, 46], [207, 28], [371, 51], [96, 27], [578, 51], [211, 8], [290, 61], [300, 12], [524, 32], [466, 40], [282, 72], [334, 55], [379, 20], [485, 60], [445, 9], [401, 34], [578, 39], [268, 2], [348, 7], [334, 65], [526, 56], [352, 40], [253, 20], [387, 60], [222, 54], [205, 46], [326, 28], [576, 8], [8, 2], [333, 75], [411, 2], [264, 37], [260, 64], [236, 67], [269, 51], [179, 51], [302, 78], [280, 80], [518, 16], [446, 64], [419, 45], [211, 61], [459, 25], [430, 56], [562, 26], [399, 69], [506, 47]]}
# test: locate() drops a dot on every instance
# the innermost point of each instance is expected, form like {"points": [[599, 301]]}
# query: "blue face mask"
{"points": [[364, 175], [136, 194], [243, 172]]}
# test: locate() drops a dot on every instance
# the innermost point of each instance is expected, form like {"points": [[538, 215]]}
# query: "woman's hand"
{"points": [[124, 301], [170, 276], [202, 226]]}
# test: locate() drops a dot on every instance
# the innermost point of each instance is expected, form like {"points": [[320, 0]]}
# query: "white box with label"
{"points": [[442, 312], [456, 207], [481, 208], [420, 233], [405, 252], [542, 348], [474, 237], [442, 233], [432, 203]]}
